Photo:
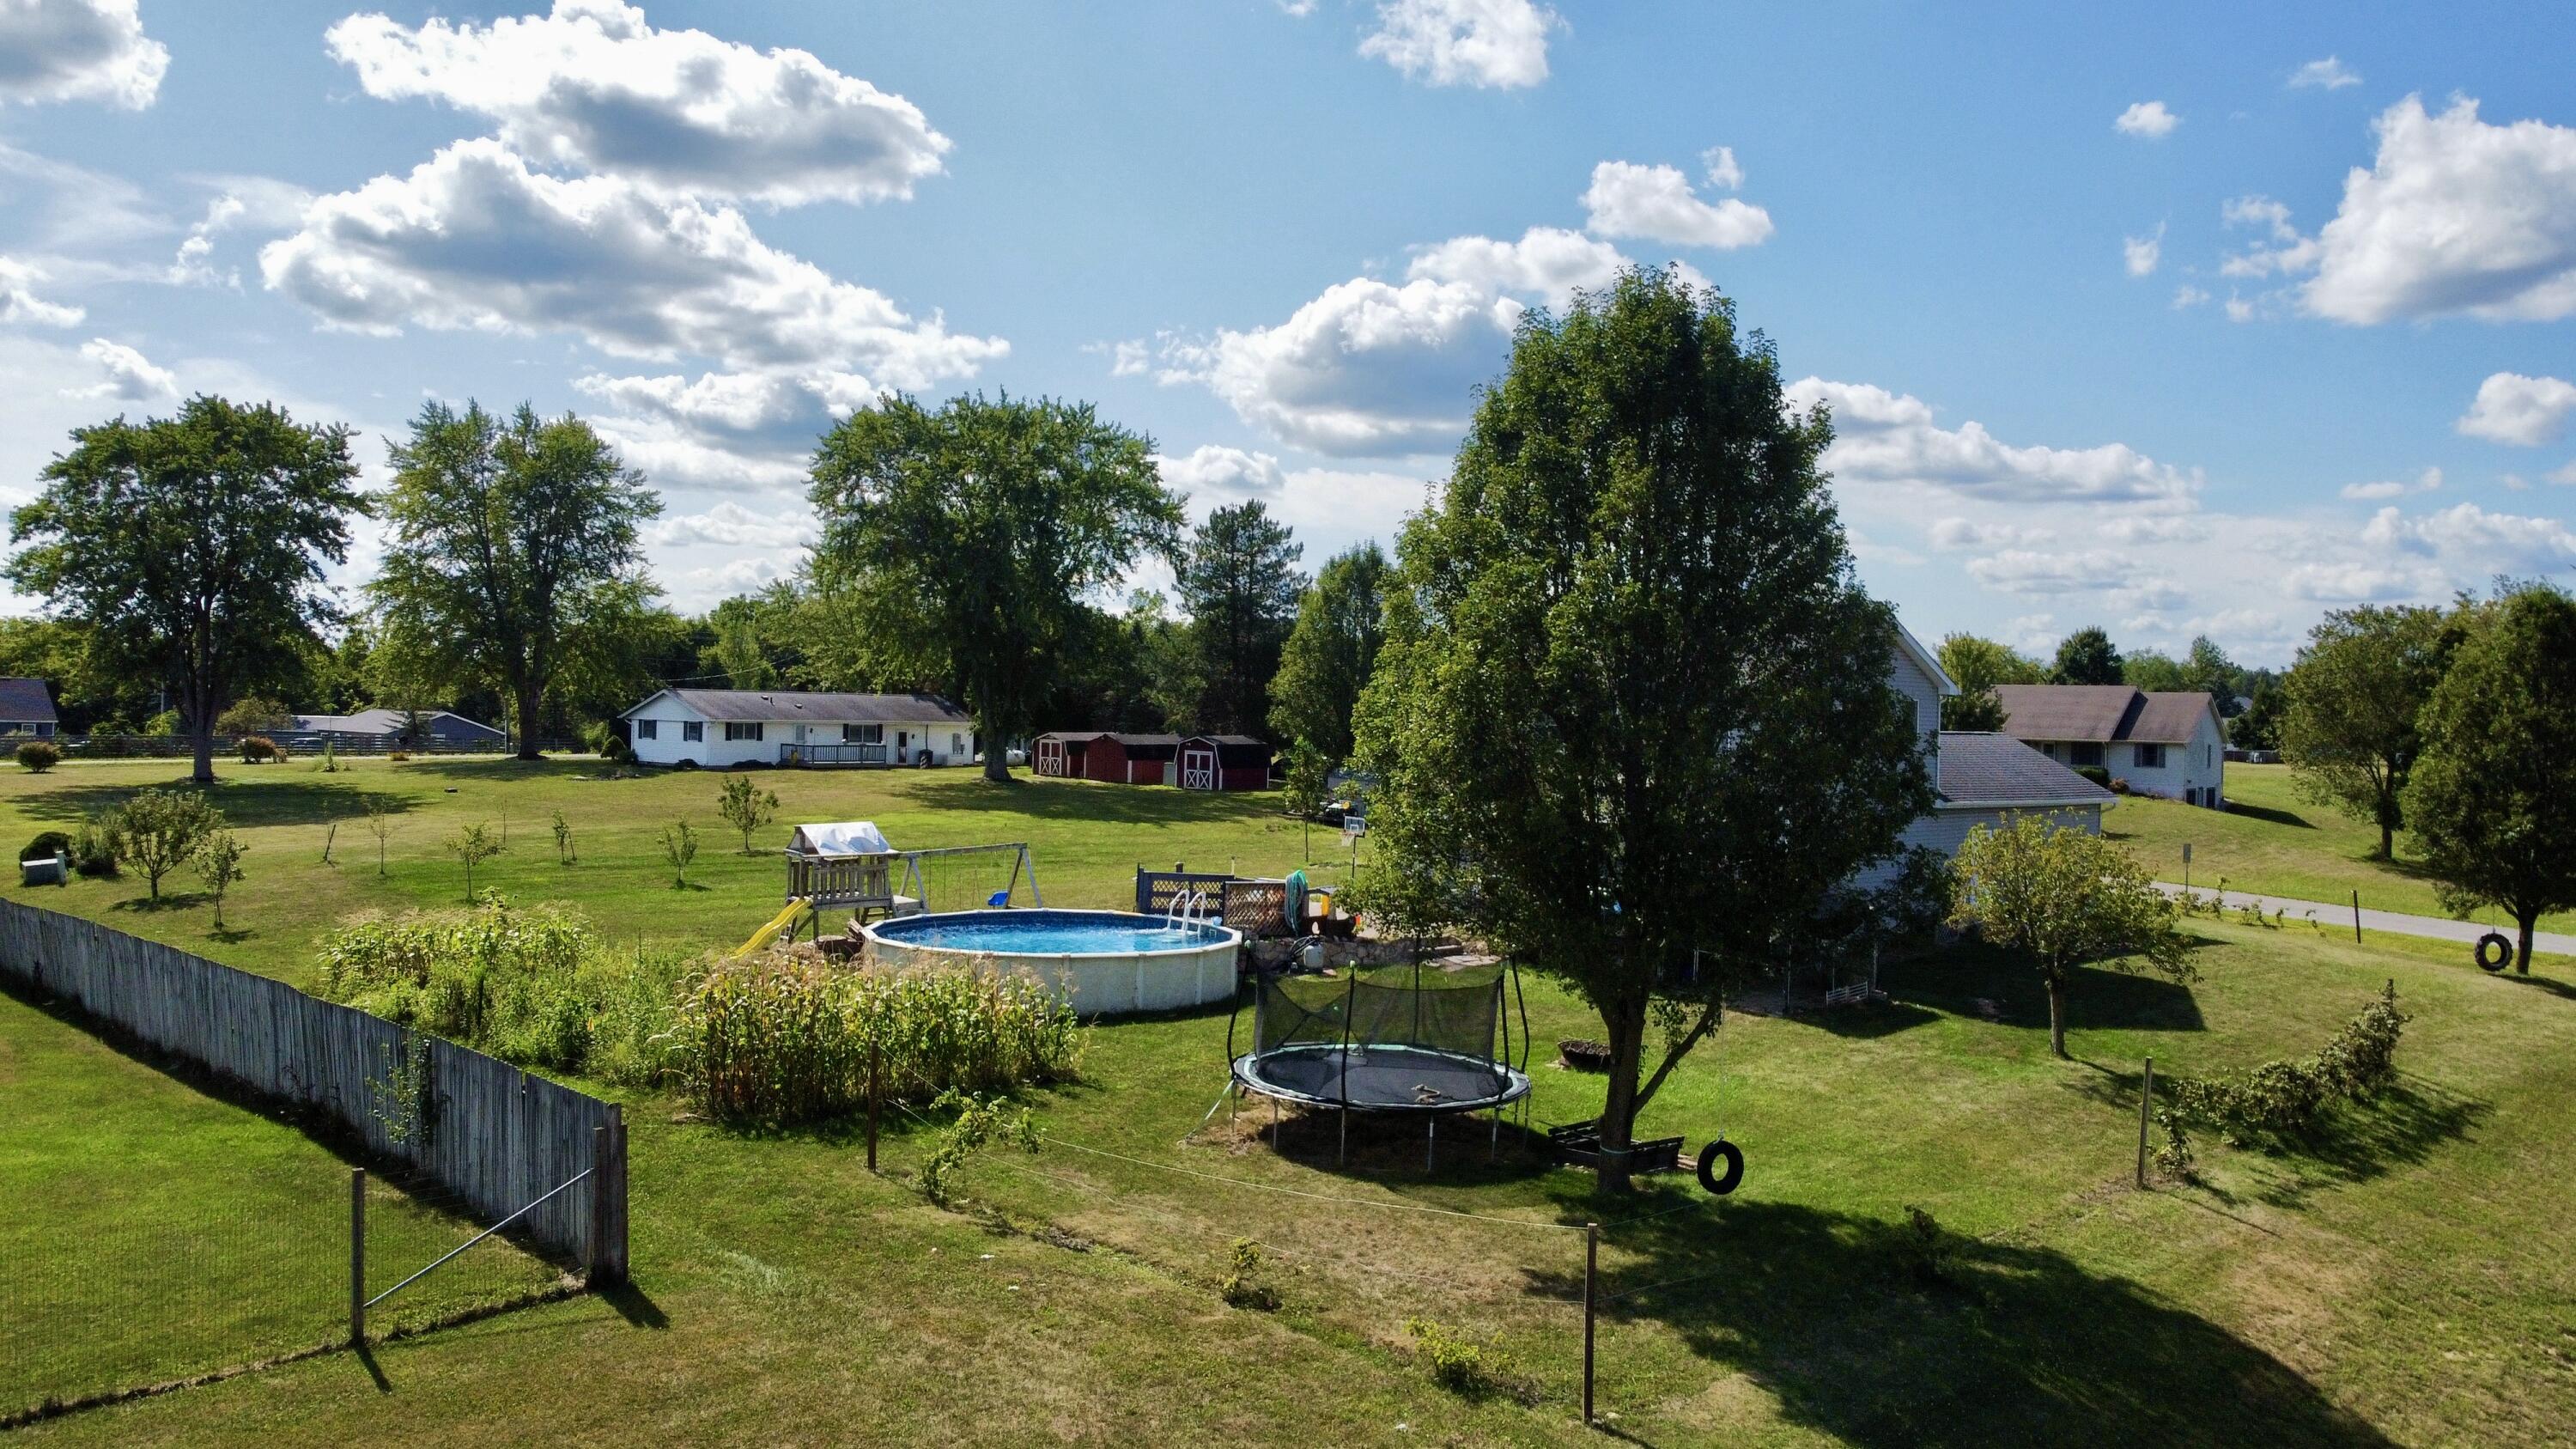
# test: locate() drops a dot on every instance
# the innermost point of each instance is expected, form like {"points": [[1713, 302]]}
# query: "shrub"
{"points": [[532, 984], [1925, 1247], [1919, 896], [2119, 784], [2279, 1101], [253, 715], [330, 764], [608, 744], [46, 846], [158, 830], [397, 756], [2174, 1158], [1246, 1286], [2096, 774], [38, 756], [1464, 1366], [776, 1039], [97, 844], [979, 1120], [258, 748]]}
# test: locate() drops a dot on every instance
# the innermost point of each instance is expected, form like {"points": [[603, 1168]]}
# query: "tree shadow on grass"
{"points": [[2270, 816], [2013, 1344], [2559, 989], [166, 901], [1992, 986], [309, 800]]}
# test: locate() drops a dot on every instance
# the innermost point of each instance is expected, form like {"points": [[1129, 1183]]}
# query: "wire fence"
{"points": [[164, 1278]]}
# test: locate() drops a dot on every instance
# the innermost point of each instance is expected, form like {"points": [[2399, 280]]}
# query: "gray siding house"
{"points": [[27, 708]]}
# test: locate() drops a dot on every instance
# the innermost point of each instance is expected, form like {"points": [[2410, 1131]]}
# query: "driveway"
{"points": [[2549, 943]]}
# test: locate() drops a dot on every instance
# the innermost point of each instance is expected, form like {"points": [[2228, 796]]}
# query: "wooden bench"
{"points": [[1580, 1143]]}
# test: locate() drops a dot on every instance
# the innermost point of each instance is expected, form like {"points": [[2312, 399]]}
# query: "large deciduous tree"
{"points": [[965, 539], [2349, 729], [514, 560], [1632, 719], [1330, 653], [1978, 665], [193, 547], [1238, 579], [2492, 798], [2061, 897], [2087, 657]]}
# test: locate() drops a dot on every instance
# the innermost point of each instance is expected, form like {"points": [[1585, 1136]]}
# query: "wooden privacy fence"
{"points": [[480, 1127]]}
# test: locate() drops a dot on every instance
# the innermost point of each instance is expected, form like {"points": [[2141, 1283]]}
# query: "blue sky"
{"points": [[2206, 319]]}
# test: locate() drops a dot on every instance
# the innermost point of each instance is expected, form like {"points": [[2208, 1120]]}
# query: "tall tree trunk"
{"points": [[201, 725], [532, 696], [1625, 1023], [2522, 947], [997, 751], [2057, 1017], [2387, 842]]}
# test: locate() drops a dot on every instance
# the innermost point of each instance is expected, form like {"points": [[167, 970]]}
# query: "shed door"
{"points": [[1198, 769]]}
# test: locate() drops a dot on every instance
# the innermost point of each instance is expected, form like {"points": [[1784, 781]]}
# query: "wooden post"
{"points": [[876, 1060], [2356, 918], [2146, 1099], [1591, 1275], [599, 1150], [357, 1257]]}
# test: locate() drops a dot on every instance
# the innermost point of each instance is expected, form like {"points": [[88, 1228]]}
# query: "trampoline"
{"points": [[1418, 1041]]}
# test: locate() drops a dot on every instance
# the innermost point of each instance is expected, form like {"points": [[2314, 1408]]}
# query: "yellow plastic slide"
{"points": [[785, 923]]}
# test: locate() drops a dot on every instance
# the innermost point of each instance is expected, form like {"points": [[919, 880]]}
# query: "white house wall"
{"points": [[2200, 766], [949, 744], [1909, 680]]}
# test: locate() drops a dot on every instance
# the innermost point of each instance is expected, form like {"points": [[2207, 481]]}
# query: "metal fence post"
{"points": [[2356, 918], [2146, 1098], [1591, 1274], [876, 1062], [357, 1257]]}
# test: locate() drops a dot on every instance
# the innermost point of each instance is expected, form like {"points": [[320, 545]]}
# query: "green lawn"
{"points": [[153, 1232], [2404, 1281], [2273, 841]]}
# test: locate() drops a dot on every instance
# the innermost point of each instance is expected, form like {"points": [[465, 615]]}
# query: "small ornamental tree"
{"points": [[2493, 796], [160, 829], [679, 847], [746, 807], [2062, 897], [38, 756], [380, 824], [218, 861], [473, 845], [1309, 778]]}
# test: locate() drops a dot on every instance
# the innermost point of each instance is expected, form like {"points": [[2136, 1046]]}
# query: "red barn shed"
{"points": [[1224, 762], [1101, 755]]}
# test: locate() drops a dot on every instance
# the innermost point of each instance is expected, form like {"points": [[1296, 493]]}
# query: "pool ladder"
{"points": [[1184, 909]]}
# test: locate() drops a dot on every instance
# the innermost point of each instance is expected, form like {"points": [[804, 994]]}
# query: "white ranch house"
{"points": [[2168, 744], [720, 727], [1979, 779]]}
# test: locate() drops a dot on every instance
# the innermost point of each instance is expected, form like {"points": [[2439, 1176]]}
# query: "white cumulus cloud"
{"points": [[2328, 74], [1500, 44], [593, 87], [2472, 538], [2424, 482], [2141, 253], [2454, 216], [1656, 202], [1884, 437], [129, 376], [2146, 119], [1218, 473], [2524, 411], [78, 50], [475, 239], [19, 302]]}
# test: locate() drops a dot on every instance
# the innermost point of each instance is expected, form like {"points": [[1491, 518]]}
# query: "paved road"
{"points": [[2439, 927]]}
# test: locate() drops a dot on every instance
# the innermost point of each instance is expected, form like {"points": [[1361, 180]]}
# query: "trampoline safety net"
{"points": [[1397, 1039]]}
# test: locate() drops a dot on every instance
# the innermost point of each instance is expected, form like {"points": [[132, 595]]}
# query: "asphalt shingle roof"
{"points": [[2099, 713], [744, 705], [1983, 769], [26, 701]]}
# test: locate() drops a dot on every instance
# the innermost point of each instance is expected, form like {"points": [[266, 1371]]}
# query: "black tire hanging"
{"points": [[1708, 1157], [2503, 951]]}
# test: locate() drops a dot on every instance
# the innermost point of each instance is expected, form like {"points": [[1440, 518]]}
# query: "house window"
{"points": [[648, 729], [858, 734], [692, 731], [737, 730], [2086, 754], [2150, 757], [956, 744]]}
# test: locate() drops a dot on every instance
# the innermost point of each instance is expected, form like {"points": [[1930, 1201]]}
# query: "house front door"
{"points": [[1198, 769]]}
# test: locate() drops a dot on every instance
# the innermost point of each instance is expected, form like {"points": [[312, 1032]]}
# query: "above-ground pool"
{"points": [[1103, 962]]}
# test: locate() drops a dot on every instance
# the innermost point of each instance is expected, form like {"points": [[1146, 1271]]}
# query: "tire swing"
{"points": [[1716, 1182], [2502, 955]]}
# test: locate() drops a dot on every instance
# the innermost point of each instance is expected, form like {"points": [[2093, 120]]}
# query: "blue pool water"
{"points": [[1046, 933]]}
